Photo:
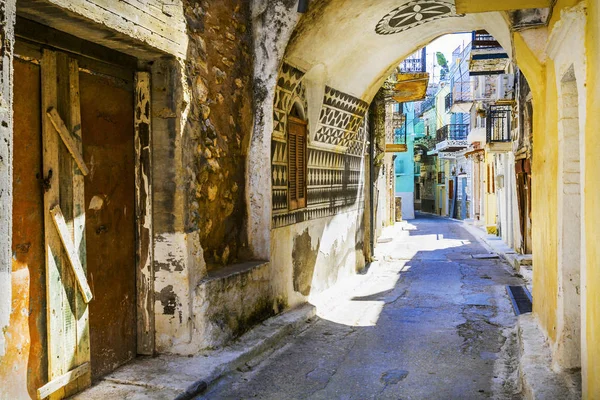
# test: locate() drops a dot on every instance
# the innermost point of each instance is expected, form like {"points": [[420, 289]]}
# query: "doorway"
{"points": [[75, 197], [107, 125]]}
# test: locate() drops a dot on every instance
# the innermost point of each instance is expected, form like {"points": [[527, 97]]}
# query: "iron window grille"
{"points": [[498, 124]]}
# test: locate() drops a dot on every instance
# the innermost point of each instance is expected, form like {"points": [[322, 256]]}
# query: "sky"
{"points": [[446, 44]]}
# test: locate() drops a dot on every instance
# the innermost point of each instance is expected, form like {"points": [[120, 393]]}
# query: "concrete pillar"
{"points": [[7, 37]]}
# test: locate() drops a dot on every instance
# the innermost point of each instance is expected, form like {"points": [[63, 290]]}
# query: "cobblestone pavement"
{"points": [[426, 321]]}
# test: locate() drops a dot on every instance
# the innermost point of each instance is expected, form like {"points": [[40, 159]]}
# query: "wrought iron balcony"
{"points": [[416, 62], [487, 55], [498, 124], [452, 132], [451, 138]]}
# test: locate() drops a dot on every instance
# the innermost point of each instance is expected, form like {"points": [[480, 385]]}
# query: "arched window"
{"points": [[296, 158]]}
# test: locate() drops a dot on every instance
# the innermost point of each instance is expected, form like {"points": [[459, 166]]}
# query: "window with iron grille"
{"points": [[448, 101], [498, 123]]}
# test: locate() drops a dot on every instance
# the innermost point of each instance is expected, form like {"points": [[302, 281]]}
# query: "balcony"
{"points": [[487, 55], [463, 90], [412, 78], [416, 62], [451, 138], [498, 128]]}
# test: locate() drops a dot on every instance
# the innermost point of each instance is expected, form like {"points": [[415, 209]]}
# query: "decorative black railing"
{"points": [[498, 123], [416, 62], [452, 132]]}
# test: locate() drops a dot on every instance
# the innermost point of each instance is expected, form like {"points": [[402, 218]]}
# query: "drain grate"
{"points": [[520, 298]]}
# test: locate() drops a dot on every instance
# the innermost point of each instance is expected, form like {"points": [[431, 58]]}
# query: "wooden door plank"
{"points": [[65, 201], [63, 380], [54, 293], [79, 239], [63, 232], [143, 204], [72, 142]]}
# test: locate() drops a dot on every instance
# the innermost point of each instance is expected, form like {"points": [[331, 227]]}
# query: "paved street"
{"points": [[426, 321]]}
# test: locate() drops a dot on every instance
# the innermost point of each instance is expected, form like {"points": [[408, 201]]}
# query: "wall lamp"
{"points": [[302, 6]]}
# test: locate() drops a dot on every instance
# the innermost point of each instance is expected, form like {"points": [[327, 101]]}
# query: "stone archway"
{"points": [[347, 43]]}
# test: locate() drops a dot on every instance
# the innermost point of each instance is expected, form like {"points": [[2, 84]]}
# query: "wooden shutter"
{"points": [[451, 189], [296, 163]]}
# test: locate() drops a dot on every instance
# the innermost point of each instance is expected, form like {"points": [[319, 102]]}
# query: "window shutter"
{"points": [[292, 149], [296, 163], [301, 167]]}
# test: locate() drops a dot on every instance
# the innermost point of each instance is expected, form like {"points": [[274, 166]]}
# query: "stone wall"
{"points": [[219, 71]]}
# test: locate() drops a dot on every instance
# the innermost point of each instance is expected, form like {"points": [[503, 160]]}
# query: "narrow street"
{"points": [[427, 321]]}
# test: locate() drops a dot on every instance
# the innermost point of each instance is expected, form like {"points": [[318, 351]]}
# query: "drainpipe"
{"points": [[372, 179]]}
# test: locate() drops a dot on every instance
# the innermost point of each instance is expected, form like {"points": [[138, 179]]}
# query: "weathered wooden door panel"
{"points": [[67, 312], [23, 369], [108, 150]]}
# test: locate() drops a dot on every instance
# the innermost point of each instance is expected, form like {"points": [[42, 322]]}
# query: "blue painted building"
{"points": [[404, 164]]}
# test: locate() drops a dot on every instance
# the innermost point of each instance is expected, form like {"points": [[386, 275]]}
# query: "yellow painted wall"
{"points": [[490, 203], [591, 385], [544, 184], [545, 160], [478, 6]]}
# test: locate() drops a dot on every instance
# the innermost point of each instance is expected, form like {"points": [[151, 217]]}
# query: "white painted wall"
{"points": [[408, 204], [566, 47]]}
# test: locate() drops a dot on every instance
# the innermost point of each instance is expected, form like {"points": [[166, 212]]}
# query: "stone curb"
{"points": [[538, 380], [521, 264], [183, 377]]}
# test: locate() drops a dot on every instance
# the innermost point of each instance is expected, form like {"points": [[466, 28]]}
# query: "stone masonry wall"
{"points": [[219, 71]]}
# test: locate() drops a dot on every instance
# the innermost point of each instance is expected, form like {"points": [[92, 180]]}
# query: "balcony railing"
{"points": [[483, 40], [498, 124], [487, 56], [428, 104], [452, 132], [414, 63]]}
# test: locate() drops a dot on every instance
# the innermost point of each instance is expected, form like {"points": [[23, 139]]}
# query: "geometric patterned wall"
{"points": [[335, 154]]}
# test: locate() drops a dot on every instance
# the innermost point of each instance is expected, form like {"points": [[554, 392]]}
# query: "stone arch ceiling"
{"points": [[340, 36]]}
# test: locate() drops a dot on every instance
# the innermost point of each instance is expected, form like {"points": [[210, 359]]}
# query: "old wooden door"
{"points": [[67, 290], [82, 215], [89, 217], [108, 148]]}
